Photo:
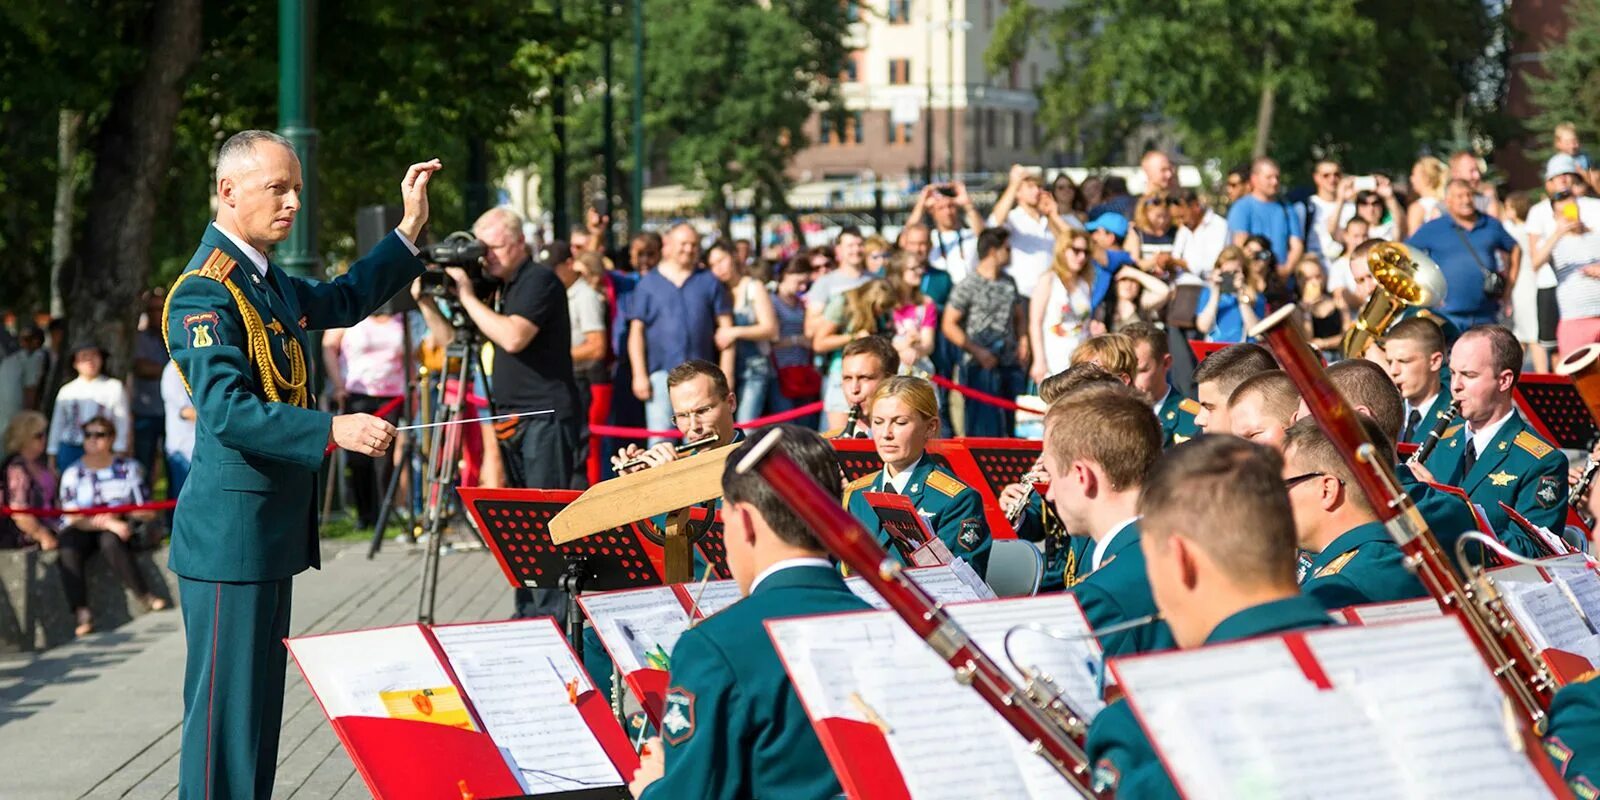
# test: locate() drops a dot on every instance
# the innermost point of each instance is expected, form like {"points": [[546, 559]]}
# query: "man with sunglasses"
{"points": [[1353, 559], [1324, 209]]}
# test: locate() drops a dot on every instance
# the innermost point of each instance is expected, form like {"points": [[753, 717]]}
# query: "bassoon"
{"points": [[1041, 718], [1440, 422], [1513, 660]]}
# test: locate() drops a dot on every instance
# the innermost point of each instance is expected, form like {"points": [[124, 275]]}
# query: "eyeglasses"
{"points": [[696, 413], [1082, 251], [1162, 201], [87, 435], [882, 256], [1290, 483]]}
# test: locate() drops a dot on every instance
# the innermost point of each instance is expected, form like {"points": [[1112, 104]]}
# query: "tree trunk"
{"points": [[1269, 97], [68, 123], [101, 281]]}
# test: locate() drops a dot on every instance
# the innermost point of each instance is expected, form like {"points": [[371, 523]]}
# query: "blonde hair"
{"points": [[1059, 262], [1432, 172], [867, 305], [1114, 352], [905, 294], [24, 425], [914, 392], [1141, 214], [874, 244]]}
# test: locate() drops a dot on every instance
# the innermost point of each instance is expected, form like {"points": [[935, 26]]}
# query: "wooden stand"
{"points": [[670, 489]]}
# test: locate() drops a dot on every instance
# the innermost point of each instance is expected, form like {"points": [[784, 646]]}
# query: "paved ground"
{"points": [[99, 718]]}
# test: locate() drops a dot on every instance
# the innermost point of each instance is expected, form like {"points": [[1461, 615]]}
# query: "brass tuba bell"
{"points": [[1406, 277]]}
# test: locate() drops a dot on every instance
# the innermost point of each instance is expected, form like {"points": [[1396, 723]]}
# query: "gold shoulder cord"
{"points": [[277, 389]]}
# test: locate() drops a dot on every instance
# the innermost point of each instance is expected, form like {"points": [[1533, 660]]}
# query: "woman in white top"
{"points": [[1525, 292], [1060, 307], [1427, 190], [754, 329], [83, 398]]}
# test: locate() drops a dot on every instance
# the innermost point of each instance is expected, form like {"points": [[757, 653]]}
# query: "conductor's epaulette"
{"points": [[944, 484], [218, 265], [1530, 442]]}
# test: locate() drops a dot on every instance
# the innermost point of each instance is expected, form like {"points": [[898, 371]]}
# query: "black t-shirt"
{"points": [[540, 376]]}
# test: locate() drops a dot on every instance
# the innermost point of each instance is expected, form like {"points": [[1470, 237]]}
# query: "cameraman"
{"points": [[532, 367]]}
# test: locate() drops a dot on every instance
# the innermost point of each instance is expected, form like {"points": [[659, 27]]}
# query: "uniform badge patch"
{"points": [[677, 716], [1548, 496], [202, 328], [276, 327], [971, 534], [1502, 478], [302, 323]]}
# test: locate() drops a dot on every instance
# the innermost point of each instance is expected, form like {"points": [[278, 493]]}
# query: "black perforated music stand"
{"points": [[858, 458], [514, 524], [1551, 403]]}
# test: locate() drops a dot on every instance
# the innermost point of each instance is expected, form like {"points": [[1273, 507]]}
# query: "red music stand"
{"points": [[858, 458]]}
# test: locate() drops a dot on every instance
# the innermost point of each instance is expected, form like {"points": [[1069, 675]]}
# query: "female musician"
{"points": [[904, 417]]}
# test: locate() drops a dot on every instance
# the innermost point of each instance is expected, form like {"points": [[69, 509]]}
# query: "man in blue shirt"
{"points": [[1261, 213], [1465, 243], [673, 316]]}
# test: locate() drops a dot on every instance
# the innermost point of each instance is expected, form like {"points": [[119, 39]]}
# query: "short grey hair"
{"points": [[502, 217], [241, 147]]}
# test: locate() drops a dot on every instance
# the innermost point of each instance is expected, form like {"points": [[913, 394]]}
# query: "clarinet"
{"points": [[849, 429], [1041, 718], [1014, 511], [1581, 488], [686, 447], [1440, 422], [1513, 660]]}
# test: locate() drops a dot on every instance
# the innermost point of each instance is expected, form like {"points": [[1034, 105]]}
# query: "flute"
{"points": [[1441, 421], [680, 450]]}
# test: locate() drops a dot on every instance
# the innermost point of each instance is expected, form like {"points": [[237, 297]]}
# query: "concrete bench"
{"points": [[33, 606]]}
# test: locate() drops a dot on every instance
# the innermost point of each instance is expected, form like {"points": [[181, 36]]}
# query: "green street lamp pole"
{"points": [[636, 188], [296, 39]]}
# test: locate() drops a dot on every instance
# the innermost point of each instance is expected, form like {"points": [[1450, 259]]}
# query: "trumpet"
{"points": [[1405, 277], [1441, 420], [686, 447]]}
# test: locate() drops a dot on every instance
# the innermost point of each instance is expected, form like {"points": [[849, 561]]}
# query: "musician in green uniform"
{"points": [[1363, 285], [1573, 738], [1098, 444], [1262, 408], [238, 329], [732, 726], [1151, 376], [1494, 454], [1218, 375], [1415, 350], [1220, 551], [904, 417], [1354, 560]]}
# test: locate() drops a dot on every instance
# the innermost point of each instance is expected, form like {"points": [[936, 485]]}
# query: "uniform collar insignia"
{"points": [[1502, 478], [276, 327]]}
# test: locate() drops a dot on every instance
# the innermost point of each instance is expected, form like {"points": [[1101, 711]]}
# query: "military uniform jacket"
{"points": [[1066, 557], [249, 509], [1429, 416], [1447, 515], [1573, 741], [1363, 565], [1118, 749], [732, 725], [1120, 591], [953, 510], [1176, 413], [1518, 468]]}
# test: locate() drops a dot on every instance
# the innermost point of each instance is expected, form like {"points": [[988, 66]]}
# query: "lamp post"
{"points": [[636, 189], [296, 37]]}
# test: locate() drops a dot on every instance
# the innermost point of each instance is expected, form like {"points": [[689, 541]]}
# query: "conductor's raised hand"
{"points": [[362, 433], [414, 193]]}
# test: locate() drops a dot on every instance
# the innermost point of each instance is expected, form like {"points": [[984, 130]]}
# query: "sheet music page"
{"points": [[1584, 585], [716, 596], [634, 623], [1071, 656], [1375, 613], [969, 576], [520, 676], [1545, 613], [949, 743], [350, 672], [1435, 704]]}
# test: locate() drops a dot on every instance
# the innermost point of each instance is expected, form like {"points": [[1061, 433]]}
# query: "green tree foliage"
{"points": [[1570, 90], [1370, 81]]}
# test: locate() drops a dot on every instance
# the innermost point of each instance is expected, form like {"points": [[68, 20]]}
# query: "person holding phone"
{"points": [[1232, 301], [1564, 231]]}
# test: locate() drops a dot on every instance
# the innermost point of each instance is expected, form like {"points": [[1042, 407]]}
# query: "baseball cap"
{"points": [[1111, 221], [1561, 164], [556, 252]]}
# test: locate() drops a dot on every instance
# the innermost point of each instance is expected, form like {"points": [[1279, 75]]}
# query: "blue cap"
{"points": [[1561, 164], [1111, 221]]}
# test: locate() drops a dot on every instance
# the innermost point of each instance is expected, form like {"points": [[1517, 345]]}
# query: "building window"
{"points": [[899, 12], [840, 132], [901, 134], [899, 71], [989, 132], [1016, 130], [824, 130], [852, 128], [988, 13], [852, 11], [848, 72]]}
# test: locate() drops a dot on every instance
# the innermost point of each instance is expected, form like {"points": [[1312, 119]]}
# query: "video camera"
{"points": [[459, 249]]}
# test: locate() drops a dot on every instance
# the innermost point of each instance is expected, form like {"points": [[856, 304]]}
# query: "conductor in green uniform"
{"points": [[1493, 454], [731, 724], [238, 328], [903, 418], [1219, 549]]}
